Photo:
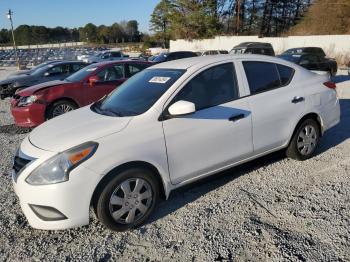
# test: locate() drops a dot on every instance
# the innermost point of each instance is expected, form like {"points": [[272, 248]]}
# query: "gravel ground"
{"points": [[273, 209]]}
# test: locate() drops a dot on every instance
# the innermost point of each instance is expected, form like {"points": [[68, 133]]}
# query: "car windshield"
{"points": [[160, 58], [82, 73], [138, 94], [236, 51], [290, 58]]}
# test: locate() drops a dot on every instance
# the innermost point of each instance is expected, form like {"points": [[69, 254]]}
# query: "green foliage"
{"points": [[116, 33], [191, 19]]}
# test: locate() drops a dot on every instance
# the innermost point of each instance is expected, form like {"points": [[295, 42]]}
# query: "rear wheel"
{"points": [[60, 107], [127, 200], [304, 140]]}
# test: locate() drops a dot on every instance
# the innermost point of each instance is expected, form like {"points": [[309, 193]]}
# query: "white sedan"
{"points": [[167, 126]]}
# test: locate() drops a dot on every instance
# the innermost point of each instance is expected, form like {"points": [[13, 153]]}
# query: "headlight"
{"points": [[27, 100], [57, 169]]}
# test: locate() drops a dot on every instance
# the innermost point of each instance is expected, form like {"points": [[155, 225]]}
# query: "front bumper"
{"points": [[28, 116], [71, 199]]}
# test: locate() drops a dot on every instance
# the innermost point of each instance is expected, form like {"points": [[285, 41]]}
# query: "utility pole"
{"points": [[238, 14], [9, 16]]}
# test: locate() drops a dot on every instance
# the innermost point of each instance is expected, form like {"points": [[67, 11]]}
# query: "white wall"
{"points": [[333, 45]]}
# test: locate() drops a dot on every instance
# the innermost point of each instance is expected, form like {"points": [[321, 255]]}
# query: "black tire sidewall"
{"points": [[102, 202]]}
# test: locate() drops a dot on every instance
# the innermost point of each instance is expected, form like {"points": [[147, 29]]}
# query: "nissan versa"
{"points": [[167, 126]]}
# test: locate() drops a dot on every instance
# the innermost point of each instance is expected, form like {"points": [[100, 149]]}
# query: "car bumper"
{"points": [[29, 116], [70, 200]]}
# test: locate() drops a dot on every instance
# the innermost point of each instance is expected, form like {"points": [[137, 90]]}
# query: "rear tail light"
{"points": [[330, 85]]}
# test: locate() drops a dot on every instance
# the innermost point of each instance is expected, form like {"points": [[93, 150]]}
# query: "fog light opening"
{"points": [[47, 213]]}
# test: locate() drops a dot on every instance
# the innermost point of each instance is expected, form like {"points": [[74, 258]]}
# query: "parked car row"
{"points": [[168, 125], [32, 106]]}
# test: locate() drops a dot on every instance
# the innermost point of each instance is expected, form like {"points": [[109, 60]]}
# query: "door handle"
{"points": [[235, 118], [297, 99]]}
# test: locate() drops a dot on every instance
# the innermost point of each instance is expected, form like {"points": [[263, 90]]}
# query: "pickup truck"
{"points": [[312, 58]]}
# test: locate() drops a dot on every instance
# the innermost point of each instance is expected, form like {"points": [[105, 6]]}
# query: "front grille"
{"points": [[19, 163]]}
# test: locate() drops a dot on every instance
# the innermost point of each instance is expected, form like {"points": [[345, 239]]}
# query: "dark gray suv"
{"points": [[50, 72]]}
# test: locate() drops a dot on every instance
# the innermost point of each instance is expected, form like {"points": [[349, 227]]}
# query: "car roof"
{"points": [[67, 62], [104, 63], [253, 44], [201, 61]]}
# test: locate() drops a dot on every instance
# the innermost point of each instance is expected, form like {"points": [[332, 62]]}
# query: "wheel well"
{"points": [[126, 166], [313, 116], [59, 99]]}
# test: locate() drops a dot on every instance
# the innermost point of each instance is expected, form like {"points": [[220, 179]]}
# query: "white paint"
{"points": [[333, 45], [182, 149]]}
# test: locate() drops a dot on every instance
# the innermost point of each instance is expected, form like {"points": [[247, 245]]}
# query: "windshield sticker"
{"points": [[159, 79], [91, 69]]}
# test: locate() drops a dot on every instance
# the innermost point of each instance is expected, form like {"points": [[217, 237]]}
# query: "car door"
{"points": [[217, 134], [109, 77], [276, 102], [57, 72]]}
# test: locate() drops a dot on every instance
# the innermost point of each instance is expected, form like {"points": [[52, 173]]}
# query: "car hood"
{"points": [[17, 73], [15, 78], [31, 90], [74, 128]]}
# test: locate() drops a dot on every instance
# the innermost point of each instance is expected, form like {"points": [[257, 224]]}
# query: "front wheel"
{"points": [[304, 140], [59, 108], [127, 200]]}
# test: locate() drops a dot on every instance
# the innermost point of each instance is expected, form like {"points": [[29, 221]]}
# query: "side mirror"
{"points": [[46, 74], [93, 80], [181, 108]]}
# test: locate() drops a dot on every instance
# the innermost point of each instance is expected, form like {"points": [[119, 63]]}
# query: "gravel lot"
{"points": [[273, 209]]}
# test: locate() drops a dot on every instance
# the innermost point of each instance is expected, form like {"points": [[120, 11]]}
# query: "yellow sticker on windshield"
{"points": [[159, 79]]}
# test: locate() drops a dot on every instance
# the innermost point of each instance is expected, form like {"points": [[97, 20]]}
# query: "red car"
{"points": [[33, 105]]}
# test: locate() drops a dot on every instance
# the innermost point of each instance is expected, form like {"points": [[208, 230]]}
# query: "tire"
{"points": [[63, 106], [296, 150], [114, 206]]}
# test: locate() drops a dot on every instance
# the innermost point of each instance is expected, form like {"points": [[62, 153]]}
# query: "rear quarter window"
{"points": [[286, 74]]}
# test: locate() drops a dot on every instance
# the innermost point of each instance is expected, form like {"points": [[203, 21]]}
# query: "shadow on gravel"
{"points": [[341, 132], [13, 130], [190, 193], [193, 191]]}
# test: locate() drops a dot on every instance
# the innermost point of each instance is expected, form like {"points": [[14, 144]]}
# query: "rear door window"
{"points": [[261, 76], [135, 68], [76, 67]]}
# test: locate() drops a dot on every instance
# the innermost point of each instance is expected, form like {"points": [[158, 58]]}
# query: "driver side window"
{"points": [[57, 70], [111, 73], [212, 87]]}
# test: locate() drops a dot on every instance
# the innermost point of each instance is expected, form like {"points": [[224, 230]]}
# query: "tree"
{"points": [[90, 33], [132, 31], [160, 21]]}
